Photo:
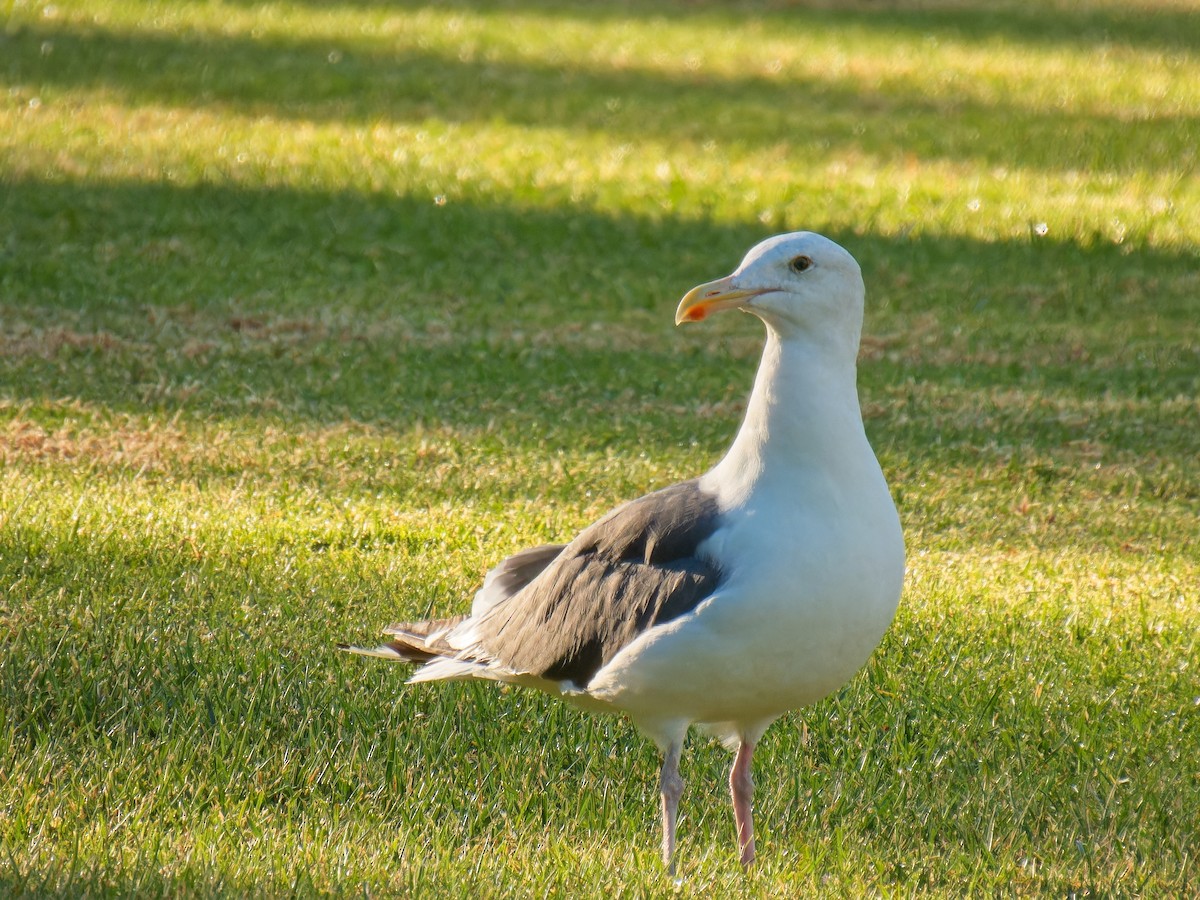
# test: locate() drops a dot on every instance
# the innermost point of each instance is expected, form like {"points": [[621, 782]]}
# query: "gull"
{"points": [[727, 600]]}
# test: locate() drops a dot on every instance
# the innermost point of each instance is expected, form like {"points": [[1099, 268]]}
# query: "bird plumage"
{"points": [[729, 599]]}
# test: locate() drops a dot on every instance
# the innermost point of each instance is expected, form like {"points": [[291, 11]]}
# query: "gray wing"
{"points": [[636, 567], [425, 640], [512, 574]]}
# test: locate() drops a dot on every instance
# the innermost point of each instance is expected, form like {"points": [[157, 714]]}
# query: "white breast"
{"points": [[809, 600], [813, 558]]}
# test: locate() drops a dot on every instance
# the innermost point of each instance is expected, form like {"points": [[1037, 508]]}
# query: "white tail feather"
{"points": [[381, 652], [449, 669]]}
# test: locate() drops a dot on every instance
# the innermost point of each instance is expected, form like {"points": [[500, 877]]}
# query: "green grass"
{"points": [[310, 312]]}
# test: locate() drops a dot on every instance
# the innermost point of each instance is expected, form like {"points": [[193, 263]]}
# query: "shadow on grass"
{"points": [[321, 307], [371, 82], [97, 249], [1083, 24]]}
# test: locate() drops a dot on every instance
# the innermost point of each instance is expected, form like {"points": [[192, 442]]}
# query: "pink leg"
{"points": [[741, 785], [672, 789]]}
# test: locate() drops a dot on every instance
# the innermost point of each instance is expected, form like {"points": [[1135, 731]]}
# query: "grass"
{"points": [[310, 312]]}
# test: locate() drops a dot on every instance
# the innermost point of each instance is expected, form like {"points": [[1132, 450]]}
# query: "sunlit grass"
{"points": [[546, 105], [310, 312]]}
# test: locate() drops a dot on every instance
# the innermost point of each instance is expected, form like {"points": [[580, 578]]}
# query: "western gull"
{"points": [[727, 600]]}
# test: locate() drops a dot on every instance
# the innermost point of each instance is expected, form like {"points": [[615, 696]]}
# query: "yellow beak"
{"points": [[711, 297]]}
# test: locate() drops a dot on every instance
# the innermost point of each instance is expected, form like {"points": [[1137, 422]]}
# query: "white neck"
{"points": [[805, 400]]}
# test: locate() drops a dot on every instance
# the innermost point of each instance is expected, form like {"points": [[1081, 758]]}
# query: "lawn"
{"points": [[309, 312]]}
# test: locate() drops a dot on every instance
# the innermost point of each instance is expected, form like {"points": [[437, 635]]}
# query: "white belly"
{"points": [[803, 612]]}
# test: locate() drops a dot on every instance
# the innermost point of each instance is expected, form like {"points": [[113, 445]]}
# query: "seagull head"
{"points": [[799, 282]]}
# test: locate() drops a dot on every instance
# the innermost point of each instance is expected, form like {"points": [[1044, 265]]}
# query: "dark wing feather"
{"points": [[425, 640], [422, 641], [512, 574], [636, 567]]}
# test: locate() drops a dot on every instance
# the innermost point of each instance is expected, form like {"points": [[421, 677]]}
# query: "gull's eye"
{"points": [[800, 264]]}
